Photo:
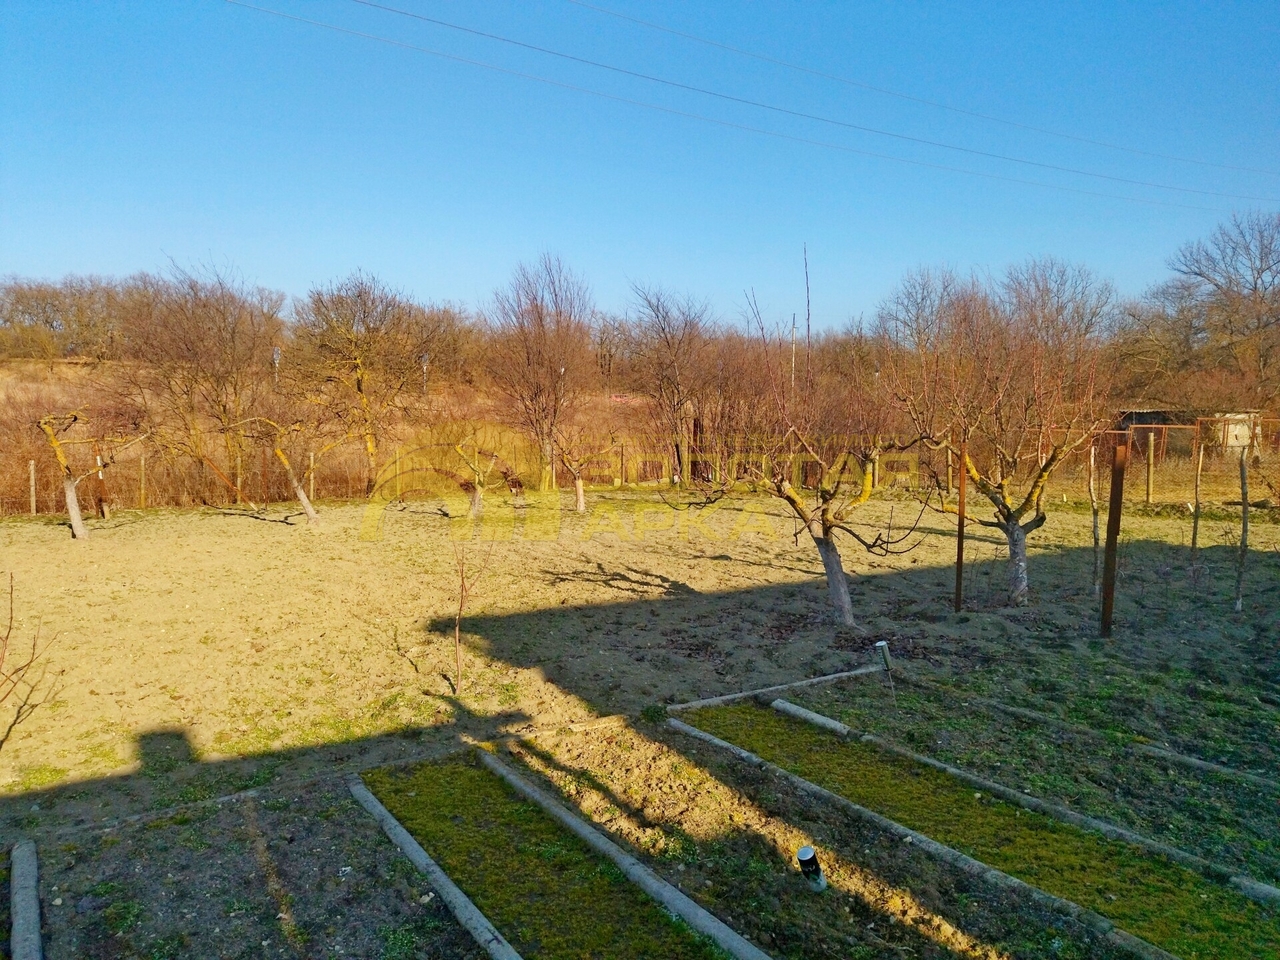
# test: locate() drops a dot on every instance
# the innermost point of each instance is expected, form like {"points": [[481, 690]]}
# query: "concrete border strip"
{"points": [[1087, 918], [730, 697], [1197, 764], [808, 716], [1253, 889], [664, 893], [24, 902], [1036, 716], [475, 922]]}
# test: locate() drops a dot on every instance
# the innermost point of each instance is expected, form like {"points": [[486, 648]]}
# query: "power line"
{"points": [[705, 119], [799, 113], [885, 91]]}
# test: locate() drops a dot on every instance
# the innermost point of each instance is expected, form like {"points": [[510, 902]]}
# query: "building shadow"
{"points": [[663, 641]]}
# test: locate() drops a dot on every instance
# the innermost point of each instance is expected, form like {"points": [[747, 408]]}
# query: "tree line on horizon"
{"points": [[1012, 373]]}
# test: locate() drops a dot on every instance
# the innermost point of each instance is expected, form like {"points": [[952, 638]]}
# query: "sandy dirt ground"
{"points": [[194, 655], [295, 647]]}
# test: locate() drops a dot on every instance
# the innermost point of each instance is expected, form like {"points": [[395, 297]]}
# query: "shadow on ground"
{"points": [[661, 642]]}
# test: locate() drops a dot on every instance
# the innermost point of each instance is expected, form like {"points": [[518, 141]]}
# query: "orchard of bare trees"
{"points": [[196, 387]]}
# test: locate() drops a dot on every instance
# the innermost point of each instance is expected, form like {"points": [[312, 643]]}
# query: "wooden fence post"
{"points": [[1093, 507], [142, 482], [104, 508], [1121, 458], [964, 460], [1195, 510], [312, 475], [31, 471]]}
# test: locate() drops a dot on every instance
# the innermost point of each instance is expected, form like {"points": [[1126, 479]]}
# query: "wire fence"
{"points": [[1170, 465]]}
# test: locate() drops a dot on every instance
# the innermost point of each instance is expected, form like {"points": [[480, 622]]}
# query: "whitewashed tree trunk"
{"points": [[1018, 585], [477, 500], [579, 495], [837, 582], [313, 518], [78, 530]]}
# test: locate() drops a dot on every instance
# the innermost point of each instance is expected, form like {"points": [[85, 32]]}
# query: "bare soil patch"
{"points": [[298, 874]]}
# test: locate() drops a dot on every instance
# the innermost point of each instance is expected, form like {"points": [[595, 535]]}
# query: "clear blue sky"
{"points": [[131, 133]]}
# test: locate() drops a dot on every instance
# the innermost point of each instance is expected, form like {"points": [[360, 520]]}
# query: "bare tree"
{"points": [[279, 434], [1014, 371], [1234, 278], [75, 317], [579, 446], [57, 431], [817, 444], [199, 349], [539, 356], [468, 577], [668, 346], [359, 347], [22, 675]]}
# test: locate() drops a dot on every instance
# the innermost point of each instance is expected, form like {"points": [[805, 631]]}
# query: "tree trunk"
{"points": [[477, 500], [547, 481], [1018, 587], [579, 495], [78, 530], [837, 583], [313, 518], [371, 452]]}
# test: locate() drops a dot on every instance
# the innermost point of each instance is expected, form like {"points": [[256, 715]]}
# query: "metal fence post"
{"points": [[1121, 457], [1151, 465]]}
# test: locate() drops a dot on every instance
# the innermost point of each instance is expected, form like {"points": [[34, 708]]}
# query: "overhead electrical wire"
{"points": [[764, 58], [800, 114], [728, 124]]}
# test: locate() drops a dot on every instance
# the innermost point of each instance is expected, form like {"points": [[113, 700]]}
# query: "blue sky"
{"points": [[198, 130]]}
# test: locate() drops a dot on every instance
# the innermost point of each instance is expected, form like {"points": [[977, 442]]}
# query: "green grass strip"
{"points": [[1149, 896], [547, 891]]}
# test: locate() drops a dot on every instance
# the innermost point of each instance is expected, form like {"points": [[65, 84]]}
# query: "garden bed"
{"points": [[1145, 895], [727, 835], [548, 893], [1228, 820]]}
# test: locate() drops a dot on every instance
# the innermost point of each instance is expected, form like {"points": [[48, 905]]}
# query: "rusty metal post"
{"points": [[1121, 458], [1151, 465]]}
